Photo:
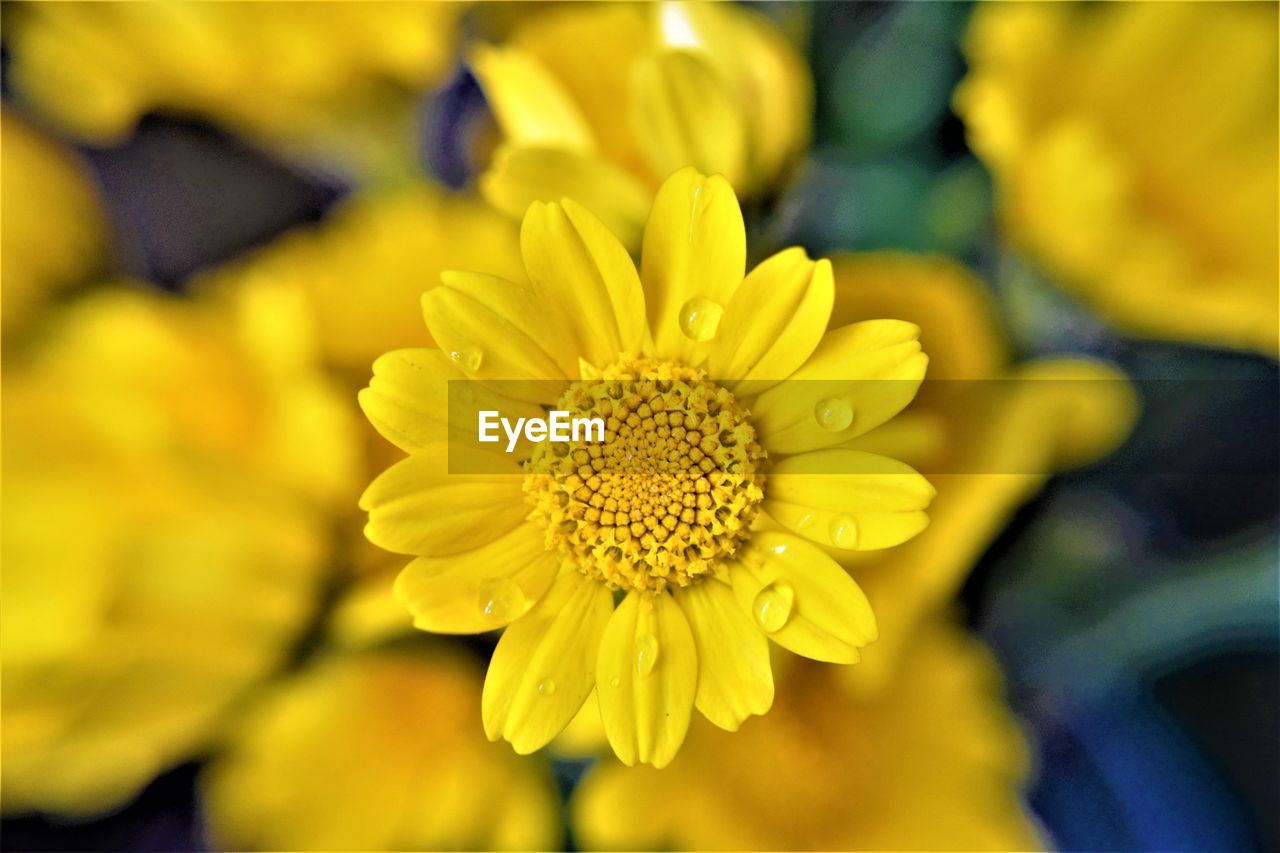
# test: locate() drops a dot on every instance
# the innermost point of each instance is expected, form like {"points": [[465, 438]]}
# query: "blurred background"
{"points": [[216, 215]]}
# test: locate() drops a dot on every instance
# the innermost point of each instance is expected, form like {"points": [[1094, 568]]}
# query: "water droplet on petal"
{"points": [[833, 413], [772, 605], [805, 521], [501, 599], [467, 359], [699, 318], [615, 681], [646, 654], [844, 532], [547, 687]]}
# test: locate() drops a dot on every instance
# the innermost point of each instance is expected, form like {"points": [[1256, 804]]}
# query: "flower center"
{"points": [[670, 492]]}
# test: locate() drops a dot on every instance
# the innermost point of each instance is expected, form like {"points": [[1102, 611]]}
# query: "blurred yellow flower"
{"points": [[1134, 150], [601, 102], [53, 234], [365, 268], [934, 762], [301, 75], [686, 362], [376, 750], [169, 469], [994, 429]]}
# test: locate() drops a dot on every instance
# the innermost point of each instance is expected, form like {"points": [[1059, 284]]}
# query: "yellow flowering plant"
{"points": [[934, 761], [54, 230], [1148, 185], [328, 82], [198, 455], [669, 512], [376, 749], [989, 429], [601, 102]]}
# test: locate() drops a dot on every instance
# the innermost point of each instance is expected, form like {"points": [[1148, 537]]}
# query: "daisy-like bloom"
{"points": [[53, 233], [991, 429], [170, 467], [651, 567], [933, 762], [1134, 151], [307, 77], [375, 750], [601, 102]]}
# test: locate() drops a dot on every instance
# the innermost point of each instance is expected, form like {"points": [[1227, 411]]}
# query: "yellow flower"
{"points": [[298, 75], [365, 268], [705, 508], [601, 102], [1134, 150], [994, 430], [53, 233], [933, 762], [169, 468], [376, 750]]}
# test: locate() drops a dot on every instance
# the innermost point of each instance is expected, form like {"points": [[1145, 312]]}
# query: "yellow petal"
{"points": [[694, 256], [496, 329], [686, 114], [545, 664], [479, 590], [409, 404], [774, 321], [520, 175], [575, 262], [860, 376], [734, 677], [848, 499], [648, 671], [529, 105], [802, 598], [417, 507]]}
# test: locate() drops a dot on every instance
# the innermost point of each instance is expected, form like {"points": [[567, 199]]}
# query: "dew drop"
{"points": [[772, 605], [646, 654], [501, 599], [804, 522], [833, 413], [615, 681], [547, 687], [700, 317], [844, 532], [467, 359]]}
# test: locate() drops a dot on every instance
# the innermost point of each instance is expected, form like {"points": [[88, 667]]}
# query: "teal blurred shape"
{"points": [[840, 204], [894, 81], [957, 207]]}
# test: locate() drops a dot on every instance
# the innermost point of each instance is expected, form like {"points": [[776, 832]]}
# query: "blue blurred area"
{"points": [[183, 195]]}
